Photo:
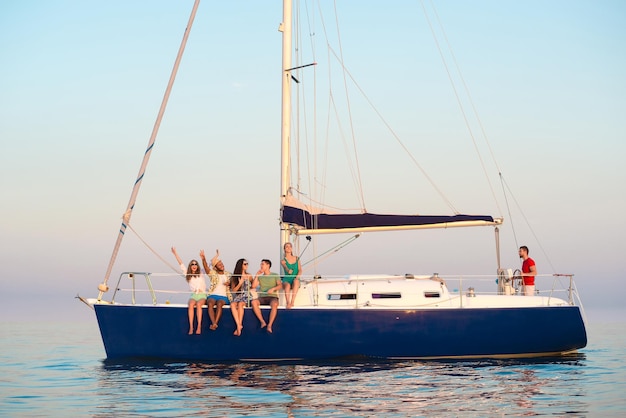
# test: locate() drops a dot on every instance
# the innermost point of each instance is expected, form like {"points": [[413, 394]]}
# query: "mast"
{"points": [[285, 181]]}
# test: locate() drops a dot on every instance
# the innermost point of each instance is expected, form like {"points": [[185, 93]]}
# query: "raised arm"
{"points": [[215, 258], [180, 262], [204, 263]]}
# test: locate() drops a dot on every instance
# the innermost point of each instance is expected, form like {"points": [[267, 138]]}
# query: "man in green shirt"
{"points": [[269, 285]]}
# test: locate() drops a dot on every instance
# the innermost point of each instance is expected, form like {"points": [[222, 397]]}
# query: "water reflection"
{"points": [[354, 388]]}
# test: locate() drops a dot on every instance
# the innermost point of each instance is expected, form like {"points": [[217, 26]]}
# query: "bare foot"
{"points": [[269, 329], [213, 327], [198, 331], [263, 325], [190, 331]]}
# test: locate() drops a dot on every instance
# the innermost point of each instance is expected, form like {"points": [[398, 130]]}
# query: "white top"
{"points": [[220, 288], [197, 284]]}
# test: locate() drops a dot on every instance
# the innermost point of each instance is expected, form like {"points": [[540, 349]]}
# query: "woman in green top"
{"points": [[291, 268]]}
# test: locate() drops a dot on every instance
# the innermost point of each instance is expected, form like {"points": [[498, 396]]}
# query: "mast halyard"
{"points": [[285, 180]]}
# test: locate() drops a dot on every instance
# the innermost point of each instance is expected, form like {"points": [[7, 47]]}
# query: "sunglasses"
{"points": [[194, 264], [245, 264]]}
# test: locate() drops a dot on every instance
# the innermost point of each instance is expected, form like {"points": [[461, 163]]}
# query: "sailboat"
{"points": [[389, 316]]}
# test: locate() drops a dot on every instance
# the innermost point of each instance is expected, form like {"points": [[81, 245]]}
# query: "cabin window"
{"points": [[341, 296], [393, 295], [432, 295]]}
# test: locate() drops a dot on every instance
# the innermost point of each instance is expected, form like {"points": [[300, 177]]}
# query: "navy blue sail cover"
{"points": [[306, 220]]}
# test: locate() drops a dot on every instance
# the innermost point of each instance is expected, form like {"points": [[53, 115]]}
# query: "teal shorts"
{"points": [[288, 279]]}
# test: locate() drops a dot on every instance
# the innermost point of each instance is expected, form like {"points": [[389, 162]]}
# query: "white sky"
{"points": [[81, 84]]}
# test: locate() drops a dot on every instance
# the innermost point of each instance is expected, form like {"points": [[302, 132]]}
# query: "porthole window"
{"points": [[341, 296], [392, 295]]}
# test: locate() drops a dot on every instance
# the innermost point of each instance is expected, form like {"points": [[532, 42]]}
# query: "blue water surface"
{"points": [[59, 369]]}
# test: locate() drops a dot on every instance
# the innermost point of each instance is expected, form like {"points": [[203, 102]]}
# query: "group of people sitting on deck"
{"points": [[238, 289]]}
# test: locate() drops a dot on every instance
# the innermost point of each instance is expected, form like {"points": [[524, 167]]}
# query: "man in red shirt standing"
{"points": [[529, 271]]}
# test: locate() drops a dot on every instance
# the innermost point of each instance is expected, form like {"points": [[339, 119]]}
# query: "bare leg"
{"points": [[296, 286], [273, 312], [211, 304], [241, 312], [218, 312], [287, 288], [190, 306], [199, 304], [234, 309], [256, 308]]}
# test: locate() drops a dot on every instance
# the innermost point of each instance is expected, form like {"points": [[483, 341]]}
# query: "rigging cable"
{"points": [[177, 270], [397, 138], [508, 208], [467, 92], [532, 231], [103, 287], [331, 251], [345, 86], [353, 166], [458, 99], [505, 186], [316, 181]]}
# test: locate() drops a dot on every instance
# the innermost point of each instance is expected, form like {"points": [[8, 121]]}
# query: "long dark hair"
{"points": [[237, 272], [190, 273]]}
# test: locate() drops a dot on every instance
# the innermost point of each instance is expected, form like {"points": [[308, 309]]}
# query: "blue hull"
{"points": [[161, 332]]}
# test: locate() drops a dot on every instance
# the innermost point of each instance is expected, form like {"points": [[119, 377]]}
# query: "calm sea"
{"points": [[59, 369]]}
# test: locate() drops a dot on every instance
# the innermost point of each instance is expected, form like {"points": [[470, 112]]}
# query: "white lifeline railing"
{"points": [[172, 288]]}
